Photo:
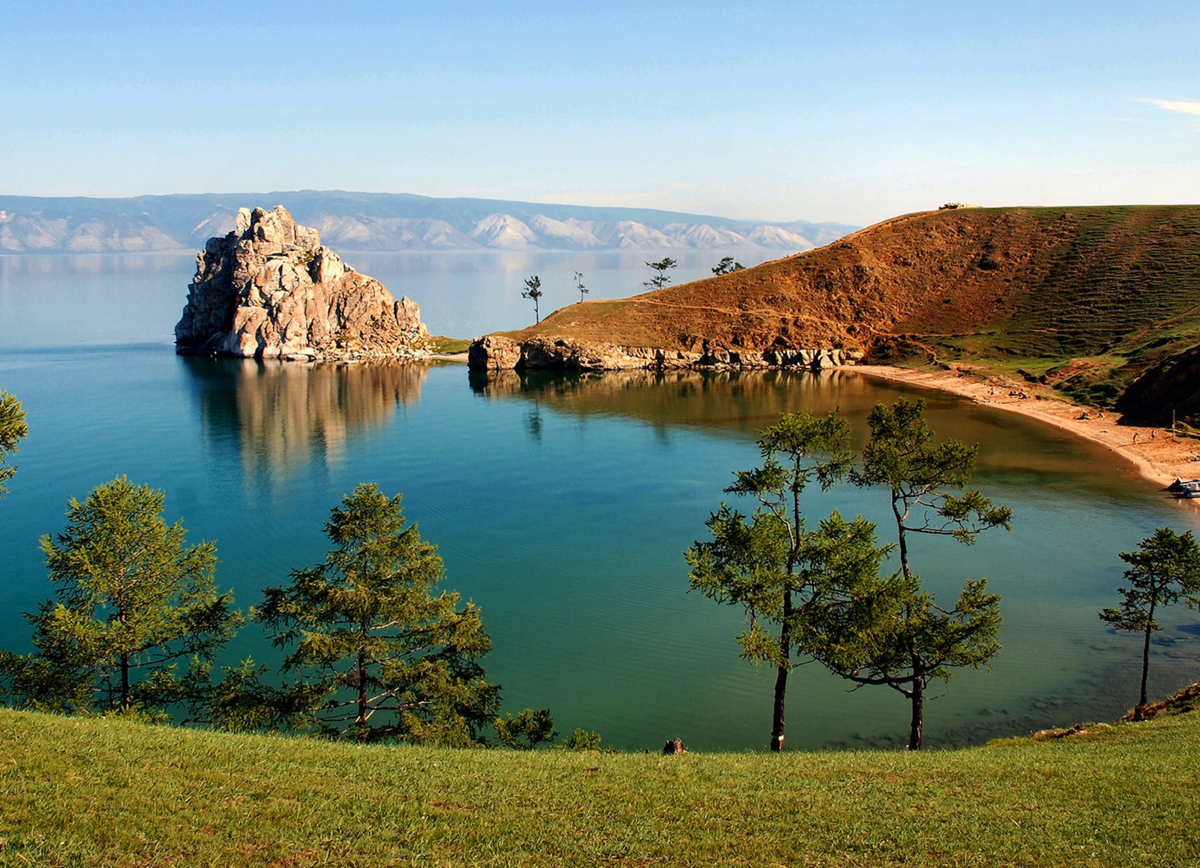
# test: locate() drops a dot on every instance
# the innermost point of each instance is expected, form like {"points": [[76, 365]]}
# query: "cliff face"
{"points": [[269, 289]]}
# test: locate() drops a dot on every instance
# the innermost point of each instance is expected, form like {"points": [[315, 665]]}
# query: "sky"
{"points": [[825, 110]]}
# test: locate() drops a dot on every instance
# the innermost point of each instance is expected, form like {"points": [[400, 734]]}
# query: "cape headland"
{"points": [[269, 289], [1098, 304]]}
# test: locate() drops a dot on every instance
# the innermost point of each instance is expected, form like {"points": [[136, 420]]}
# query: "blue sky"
{"points": [[851, 111]]}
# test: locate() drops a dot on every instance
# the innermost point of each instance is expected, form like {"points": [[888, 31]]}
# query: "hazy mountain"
{"points": [[383, 221]]}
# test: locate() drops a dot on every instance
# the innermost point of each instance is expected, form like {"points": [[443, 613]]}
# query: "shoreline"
{"points": [[1157, 454]]}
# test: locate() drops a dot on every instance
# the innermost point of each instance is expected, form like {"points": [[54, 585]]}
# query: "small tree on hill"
{"points": [[1164, 568], [660, 279], [132, 603], [12, 431], [376, 653], [533, 290], [583, 290], [768, 563], [727, 266]]}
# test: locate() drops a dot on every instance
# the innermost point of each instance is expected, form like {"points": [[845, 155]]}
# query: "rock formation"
{"points": [[498, 353], [269, 289]]}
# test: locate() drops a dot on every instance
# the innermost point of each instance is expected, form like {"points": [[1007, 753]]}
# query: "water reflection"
{"points": [[284, 416], [1014, 449]]}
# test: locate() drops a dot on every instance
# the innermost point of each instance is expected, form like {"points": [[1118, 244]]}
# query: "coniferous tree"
{"points": [[132, 604], [897, 636], [527, 730], [1165, 567], [375, 653], [13, 430], [660, 279], [768, 563], [727, 265], [533, 290]]}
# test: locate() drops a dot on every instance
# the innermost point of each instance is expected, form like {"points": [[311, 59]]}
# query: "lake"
{"points": [[561, 504]]}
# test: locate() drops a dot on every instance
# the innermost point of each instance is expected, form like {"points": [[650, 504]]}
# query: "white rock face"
{"points": [[269, 289]]}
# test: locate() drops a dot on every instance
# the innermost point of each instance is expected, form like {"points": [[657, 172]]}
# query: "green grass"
{"points": [[113, 792], [442, 344]]}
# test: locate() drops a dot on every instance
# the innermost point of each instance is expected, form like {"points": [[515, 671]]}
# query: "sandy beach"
{"points": [[1158, 455]]}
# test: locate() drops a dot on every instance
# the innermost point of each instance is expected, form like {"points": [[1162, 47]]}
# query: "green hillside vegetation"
{"points": [[95, 791], [1084, 299]]}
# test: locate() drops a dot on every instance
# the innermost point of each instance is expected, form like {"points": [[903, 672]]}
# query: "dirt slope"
{"points": [[1085, 298]]}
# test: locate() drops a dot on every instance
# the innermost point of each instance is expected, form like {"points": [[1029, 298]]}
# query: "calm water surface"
{"points": [[561, 504]]}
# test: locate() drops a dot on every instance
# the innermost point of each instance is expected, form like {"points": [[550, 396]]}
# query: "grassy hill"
{"points": [[1083, 299], [92, 792]]}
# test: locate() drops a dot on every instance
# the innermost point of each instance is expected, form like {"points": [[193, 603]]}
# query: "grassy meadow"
{"points": [[78, 792]]}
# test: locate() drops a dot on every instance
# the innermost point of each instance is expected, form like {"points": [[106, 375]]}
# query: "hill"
{"points": [[100, 791], [1086, 300], [383, 221]]}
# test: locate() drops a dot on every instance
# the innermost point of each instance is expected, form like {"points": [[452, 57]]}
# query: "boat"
{"points": [[1185, 488]]}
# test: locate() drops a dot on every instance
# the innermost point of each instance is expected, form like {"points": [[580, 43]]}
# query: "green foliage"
{"points": [[901, 457], [132, 603], [1165, 567], [533, 290], [660, 279], [376, 655], [896, 635], [893, 634], [583, 290], [13, 430], [768, 563], [527, 730], [583, 740], [727, 266], [242, 701]]}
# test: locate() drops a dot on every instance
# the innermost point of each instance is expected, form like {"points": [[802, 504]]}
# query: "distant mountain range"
{"points": [[384, 221]]}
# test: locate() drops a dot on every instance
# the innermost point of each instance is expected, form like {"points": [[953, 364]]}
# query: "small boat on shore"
{"points": [[1186, 488]]}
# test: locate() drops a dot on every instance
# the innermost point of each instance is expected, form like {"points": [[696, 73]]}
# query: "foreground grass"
{"points": [[96, 792]]}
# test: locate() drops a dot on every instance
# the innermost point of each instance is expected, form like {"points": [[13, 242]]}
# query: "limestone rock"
{"points": [[497, 353], [494, 353], [269, 289]]}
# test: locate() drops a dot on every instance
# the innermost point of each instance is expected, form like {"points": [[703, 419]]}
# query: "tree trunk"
{"points": [[918, 709], [903, 552], [360, 724], [125, 681], [785, 650], [777, 709], [1139, 712]]}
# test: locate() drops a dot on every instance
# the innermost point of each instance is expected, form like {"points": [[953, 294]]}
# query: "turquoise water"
{"points": [[561, 505]]}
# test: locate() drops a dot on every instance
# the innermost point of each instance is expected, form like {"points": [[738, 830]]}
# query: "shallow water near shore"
{"points": [[562, 505]]}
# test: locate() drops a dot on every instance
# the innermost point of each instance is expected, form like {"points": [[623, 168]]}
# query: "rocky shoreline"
{"points": [[498, 353]]}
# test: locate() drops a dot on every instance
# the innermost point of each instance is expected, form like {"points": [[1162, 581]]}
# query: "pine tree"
{"points": [[12, 431], [375, 654], [132, 604], [1165, 567], [768, 563]]}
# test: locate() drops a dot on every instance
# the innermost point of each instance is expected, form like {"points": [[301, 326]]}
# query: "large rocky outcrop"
{"points": [[498, 353], [269, 289]]}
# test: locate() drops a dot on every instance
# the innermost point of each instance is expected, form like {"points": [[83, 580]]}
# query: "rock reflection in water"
{"points": [[284, 415], [741, 400]]}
